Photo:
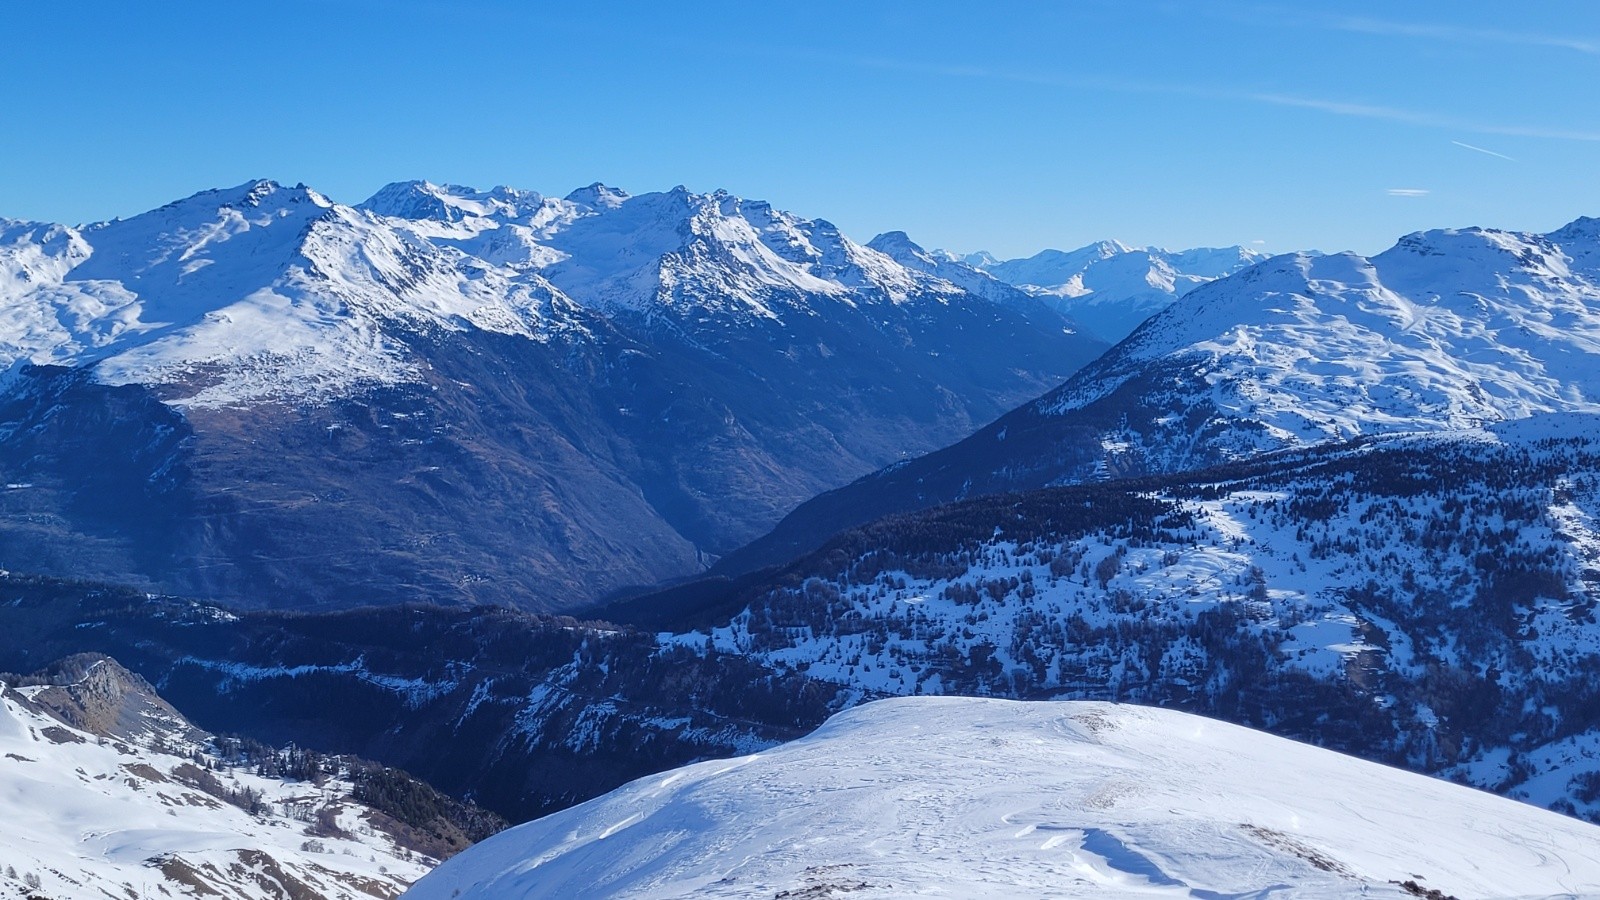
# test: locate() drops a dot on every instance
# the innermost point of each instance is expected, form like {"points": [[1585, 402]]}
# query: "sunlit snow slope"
{"points": [[1449, 329], [147, 812], [968, 798]]}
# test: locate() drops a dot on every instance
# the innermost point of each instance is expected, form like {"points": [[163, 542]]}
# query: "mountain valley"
{"points": [[454, 510]]}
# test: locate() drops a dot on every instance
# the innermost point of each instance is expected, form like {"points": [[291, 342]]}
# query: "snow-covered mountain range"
{"points": [[109, 791], [1425, 601], [990, 798], [1449, 329], [559, 396], [1108, 286]]}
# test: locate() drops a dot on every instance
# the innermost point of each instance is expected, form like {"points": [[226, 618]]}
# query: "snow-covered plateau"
{"points": [[961, 797]]}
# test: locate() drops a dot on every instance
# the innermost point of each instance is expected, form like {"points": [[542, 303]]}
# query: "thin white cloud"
{"points": [[1441, 32], [1408, 192], [1458, 34], [1425, 119], [1122, 86], [1481, 150]]}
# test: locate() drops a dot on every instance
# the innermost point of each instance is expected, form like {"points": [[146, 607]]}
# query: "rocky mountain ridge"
{"points": [[479, 396], [110, 790], [1449, 329]]}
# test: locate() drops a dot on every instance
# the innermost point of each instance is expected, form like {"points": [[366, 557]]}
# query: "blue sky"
{"points": [[1010, 127]]}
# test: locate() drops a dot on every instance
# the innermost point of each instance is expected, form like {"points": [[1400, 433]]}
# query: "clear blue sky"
{"points": [[1006, 126]]}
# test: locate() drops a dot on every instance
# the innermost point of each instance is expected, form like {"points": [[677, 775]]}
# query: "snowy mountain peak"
{"points": [[450, 202], [899, 246], [1581, 228], [1447, 329], [1111, 287], [599, 196]]}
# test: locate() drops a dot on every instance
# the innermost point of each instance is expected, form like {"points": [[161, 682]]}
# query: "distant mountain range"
{"points": [[1447, 330], [1345, 500], [1108, 286], [260, 395]]}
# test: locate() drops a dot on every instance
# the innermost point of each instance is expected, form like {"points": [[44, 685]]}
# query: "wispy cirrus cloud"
{"points": [[1482, 150], [1345, 108], [1438, 32], [1407, 192], [1417, 117], [1455, 33]]}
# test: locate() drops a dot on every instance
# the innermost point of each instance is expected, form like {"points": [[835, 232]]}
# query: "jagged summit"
{"points": [[570, 356], [449, 202], [599, 196]]}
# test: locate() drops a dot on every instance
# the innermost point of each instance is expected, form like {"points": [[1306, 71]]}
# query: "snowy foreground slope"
{"points": [[968, 797], [151, 811]]}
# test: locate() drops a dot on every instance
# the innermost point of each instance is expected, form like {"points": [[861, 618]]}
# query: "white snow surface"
{"points": [[962, 797], [94, 818], [266, 292], [1449, 329]]}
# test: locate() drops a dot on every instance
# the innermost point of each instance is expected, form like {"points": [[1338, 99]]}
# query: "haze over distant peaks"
{"points": [[637, 383], [1110, 287]]}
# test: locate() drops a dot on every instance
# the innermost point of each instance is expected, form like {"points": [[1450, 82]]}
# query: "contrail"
{"points": [[1481, 150]]}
